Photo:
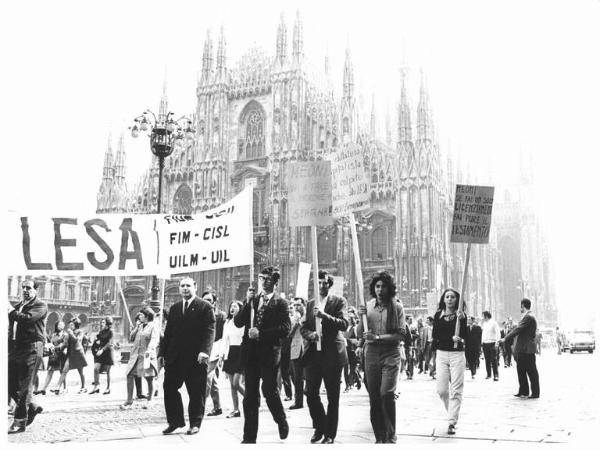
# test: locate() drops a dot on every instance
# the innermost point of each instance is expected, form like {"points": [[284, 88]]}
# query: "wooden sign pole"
{"points": [[118, 281], [358, 268], [315, 257], [462, 292]]}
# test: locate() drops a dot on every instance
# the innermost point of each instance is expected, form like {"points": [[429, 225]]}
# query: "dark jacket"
{"points": [[187, 336], [30, 322], [525, 334], [275, 326], [333, 325], [473, 340]]}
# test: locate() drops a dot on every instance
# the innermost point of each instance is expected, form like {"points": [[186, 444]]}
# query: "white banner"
{"points": [[219, 238], [122, 244]]}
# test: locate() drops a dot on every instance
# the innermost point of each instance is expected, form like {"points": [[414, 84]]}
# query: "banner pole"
{"points": [[120, 289], [358, 268], [315, 257], [463, 291]]}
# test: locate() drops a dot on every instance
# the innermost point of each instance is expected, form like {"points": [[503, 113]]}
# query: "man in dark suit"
{"points": [[524, 351], [473, 345], [327, 363], [266, 321], [187, 344], [26, 328]]}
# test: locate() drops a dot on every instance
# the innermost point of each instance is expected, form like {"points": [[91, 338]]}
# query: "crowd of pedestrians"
{"points": [[296, 346]]}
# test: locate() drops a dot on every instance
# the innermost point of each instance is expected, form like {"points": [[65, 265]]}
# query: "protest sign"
{"points": [[472, 214], [216, 239], [337, 288], [309, 193], [303, 279], [350, 181]]}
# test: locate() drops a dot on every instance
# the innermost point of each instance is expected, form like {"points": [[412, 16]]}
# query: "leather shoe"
{"points": [[518, 395], [327, 441], [172, 428], [295, 406], [214, 413], [533, 397], [17, 427], [193, 430], [451, 429], [317, 436], [31, 414], [247, 441], [284, 430]]}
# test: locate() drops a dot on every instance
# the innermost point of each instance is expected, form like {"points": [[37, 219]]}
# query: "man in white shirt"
{"points": [[490, 338]]}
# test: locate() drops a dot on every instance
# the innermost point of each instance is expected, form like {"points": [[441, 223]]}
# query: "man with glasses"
{"points": [[266, 321], [26, 328]]}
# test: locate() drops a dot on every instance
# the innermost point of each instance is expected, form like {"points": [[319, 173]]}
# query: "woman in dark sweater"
{"points": [[450, 357], [103, 355]]}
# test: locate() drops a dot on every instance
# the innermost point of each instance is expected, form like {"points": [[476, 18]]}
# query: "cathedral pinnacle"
{"points": [[424, 121], [108, 170], [404, 122], [221, 56], [120, 160], [163, 108], [281, 41], [207, 60], [298, 44], [348, 91]]}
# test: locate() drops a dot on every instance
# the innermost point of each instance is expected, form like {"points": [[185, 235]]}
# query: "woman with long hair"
{"points": [[142, 361], [58, 354], [103, 355], [381, 349], [75, 356], [450, 354], [232, 341]]}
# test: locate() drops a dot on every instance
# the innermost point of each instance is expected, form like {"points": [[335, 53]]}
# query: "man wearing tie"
{"points": [[186, 346], [326, 320], [26, 327], [266, 321]]}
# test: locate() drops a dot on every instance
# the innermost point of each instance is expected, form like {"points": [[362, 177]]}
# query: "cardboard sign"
{"points": [[472, 216], [219, 238], [309, 193], [121, 244], [338, 286], [350, 181], [302, 282]]}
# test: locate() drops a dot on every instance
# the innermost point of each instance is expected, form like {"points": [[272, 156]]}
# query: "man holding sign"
{"points": [[266, 321], [326, 320]]}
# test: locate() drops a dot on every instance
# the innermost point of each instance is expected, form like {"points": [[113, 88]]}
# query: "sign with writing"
{"points": [[97, 245], [302, 282], [350, 181], [472, 215], [309, 193], [216, 239], [121, 244], [338, 286]]}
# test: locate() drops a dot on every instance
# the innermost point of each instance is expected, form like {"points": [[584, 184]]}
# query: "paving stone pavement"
{"points": [[567, 412]]}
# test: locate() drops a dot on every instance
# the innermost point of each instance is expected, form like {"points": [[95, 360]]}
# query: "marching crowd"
{"points": [[296, 346]]}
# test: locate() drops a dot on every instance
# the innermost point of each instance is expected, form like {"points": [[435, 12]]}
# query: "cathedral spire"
{"points": [[163, 108], [404, 123], [221, 56], [281, 41], [424, 121], [348, 91], [120, 160], [207, 60], [388, 127], [373, 123], [108, 170], [298, 44]]}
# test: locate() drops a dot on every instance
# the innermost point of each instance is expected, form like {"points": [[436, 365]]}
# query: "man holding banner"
{"points": [[325, 364], [266, 321]]}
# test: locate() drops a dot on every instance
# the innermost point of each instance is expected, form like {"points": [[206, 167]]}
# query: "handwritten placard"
{"points": [[309, 193], [350, 181], [472, 215]]}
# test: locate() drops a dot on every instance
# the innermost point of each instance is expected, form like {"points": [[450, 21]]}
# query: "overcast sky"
{"points": [[504, 77]]}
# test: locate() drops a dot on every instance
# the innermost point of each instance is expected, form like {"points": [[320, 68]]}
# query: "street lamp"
{"points": [[165, 134]]}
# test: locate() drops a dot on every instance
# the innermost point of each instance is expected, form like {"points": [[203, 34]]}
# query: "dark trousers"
{"points": [[286, 373], [507, 354], [253, 373], [298, 373], [526, 368], [472, 356], [193, 374], [331, 376], [23, 361], [351, 376], [491, 360]]}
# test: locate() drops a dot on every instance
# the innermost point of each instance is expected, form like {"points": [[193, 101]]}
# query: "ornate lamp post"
{"points": [[165, 134]]}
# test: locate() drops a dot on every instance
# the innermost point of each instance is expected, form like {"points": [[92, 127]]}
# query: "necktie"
{"points": [[186, 306]]}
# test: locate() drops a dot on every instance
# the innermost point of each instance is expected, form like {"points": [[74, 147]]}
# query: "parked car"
{"points": [[580, 341]]}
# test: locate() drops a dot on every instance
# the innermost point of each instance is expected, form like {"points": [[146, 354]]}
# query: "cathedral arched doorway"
{"points": [[182, 202]]}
